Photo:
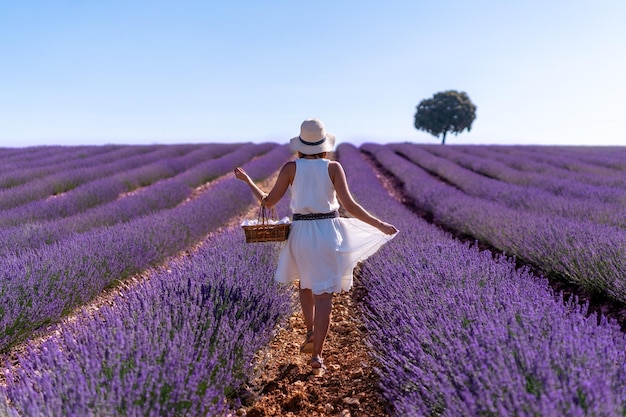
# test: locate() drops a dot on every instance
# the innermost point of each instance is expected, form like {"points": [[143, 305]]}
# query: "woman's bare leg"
{"points": [[321, 321], [307, 303]]}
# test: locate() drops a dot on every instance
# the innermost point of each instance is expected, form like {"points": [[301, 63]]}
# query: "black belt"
{"points": [[315, 216]]}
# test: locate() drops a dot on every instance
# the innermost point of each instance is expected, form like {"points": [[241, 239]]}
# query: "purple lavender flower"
{"points": [[585, 252], [39, 286], [457, 331]]}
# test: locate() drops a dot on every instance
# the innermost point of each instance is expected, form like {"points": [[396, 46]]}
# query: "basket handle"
{"points": [[266, 214]]}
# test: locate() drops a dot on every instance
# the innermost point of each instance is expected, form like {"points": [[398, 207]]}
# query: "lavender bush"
{"points": [[613, 157], [587, 253], [35, 162], [178, 345], [102, 190], [568, 186], [67, 179], [39, 286], [515, 157], [15, 158], [563, 160], [32, 176], [457, 332], [516, 196], [161, 195]]}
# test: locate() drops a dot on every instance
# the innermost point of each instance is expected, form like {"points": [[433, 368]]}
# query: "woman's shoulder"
{"points": [[289, 167], [335, 170], [334, 165]]}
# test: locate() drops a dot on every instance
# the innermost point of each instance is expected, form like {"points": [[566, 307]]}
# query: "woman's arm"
{"points": [[285, 178], [240, 174], [338, 177]]}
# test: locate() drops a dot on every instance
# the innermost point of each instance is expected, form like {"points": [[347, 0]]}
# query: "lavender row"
{"points": [[567, 186], [10, 154], [613, 157], [587, 253], [162, 195], [67, 159], [104, 190], [563, 161], [66, 180], [518, 196], [39, 286], [19, 158], [527, 165], [11, 158], [511, 157], [458, 332], [14, 165], [178, 345]]}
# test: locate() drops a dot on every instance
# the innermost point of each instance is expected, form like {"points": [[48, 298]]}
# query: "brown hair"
{"points": [[316, 155]]}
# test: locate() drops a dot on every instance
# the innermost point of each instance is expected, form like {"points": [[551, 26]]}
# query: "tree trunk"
{"points": [[443, 141]]}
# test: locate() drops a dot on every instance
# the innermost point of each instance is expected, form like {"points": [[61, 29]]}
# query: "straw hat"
{"points": [[313, 138]]}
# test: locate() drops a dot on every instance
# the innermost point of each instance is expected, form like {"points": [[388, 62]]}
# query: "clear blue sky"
{"points": [[149, 71]]}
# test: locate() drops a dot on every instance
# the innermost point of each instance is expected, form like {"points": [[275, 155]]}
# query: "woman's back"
{"points": [[312, 190]]}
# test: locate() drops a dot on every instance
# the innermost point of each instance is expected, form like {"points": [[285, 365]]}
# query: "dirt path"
{"points": [[285, 386], [283, 383]]}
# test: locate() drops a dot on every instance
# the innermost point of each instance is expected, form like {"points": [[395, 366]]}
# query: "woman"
{"points": [[323, 248]]}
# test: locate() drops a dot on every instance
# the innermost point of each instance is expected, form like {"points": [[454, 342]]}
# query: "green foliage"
{"points": [[533, 385], [447, 111]]}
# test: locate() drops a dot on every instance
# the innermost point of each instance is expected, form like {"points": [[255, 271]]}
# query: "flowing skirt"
{"points": [[323, 253]]}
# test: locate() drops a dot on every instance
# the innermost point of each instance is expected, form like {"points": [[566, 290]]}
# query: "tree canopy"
{"points": [[447, 111]]}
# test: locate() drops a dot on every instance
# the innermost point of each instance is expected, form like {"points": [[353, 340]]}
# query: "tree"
{"points": [[447, 111]]}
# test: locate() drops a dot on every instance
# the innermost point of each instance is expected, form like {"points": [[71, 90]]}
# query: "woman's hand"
{"points": [[388, 229], [240, 174]]}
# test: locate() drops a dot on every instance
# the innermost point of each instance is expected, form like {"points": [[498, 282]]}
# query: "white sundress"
{"points": [[322, 253]]}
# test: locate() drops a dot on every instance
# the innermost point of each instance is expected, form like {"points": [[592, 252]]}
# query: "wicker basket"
{"points": [[264, 231]]}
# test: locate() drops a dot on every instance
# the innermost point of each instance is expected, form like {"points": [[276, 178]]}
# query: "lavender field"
{"points": [[454, 330]]}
